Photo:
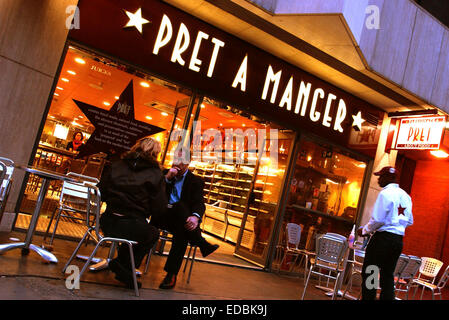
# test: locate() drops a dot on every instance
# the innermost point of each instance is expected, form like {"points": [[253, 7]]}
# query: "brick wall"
{"points": [[430, 195]]}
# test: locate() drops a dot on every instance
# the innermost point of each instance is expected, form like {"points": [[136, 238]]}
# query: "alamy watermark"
{"points": [[73, 280], [73, 20], [226, 146], [373, 19], [372, 280]]}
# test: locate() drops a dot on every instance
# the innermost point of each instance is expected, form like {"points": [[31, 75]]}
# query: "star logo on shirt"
{"points": [[401, 210]]}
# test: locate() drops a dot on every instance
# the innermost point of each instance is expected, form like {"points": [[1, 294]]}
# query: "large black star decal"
{"points": [[116, 130], [401, 210]]}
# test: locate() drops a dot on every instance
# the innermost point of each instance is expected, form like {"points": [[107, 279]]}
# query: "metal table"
{"points": [[46, 176]]}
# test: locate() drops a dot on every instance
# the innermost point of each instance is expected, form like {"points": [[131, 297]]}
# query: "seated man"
{"points": [[185, 210]]}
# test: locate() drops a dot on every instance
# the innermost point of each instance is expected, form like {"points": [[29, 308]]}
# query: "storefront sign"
{"points": [[420, 133], [174, 45]]}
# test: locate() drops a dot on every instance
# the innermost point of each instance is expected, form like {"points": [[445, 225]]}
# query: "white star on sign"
{"points": [[136, 20], [357, 121]]}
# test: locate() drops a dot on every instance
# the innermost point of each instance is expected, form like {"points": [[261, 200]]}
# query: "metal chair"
{"points": [[356, 262], [403, 279], [330, 256], [166, 236], [7, 169], [73, 202], [427, 274], [293, 232], [436, 289], [93, 230]]}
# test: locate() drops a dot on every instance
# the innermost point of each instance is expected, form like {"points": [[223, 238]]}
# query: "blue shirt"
{"points": [[175, 195]]}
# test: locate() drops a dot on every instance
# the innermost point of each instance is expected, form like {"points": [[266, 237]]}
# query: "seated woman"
{"points": [[76, 143], [133, 188]]}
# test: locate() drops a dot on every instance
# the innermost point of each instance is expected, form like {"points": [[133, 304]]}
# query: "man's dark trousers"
{"points": [[174, 221], [383, 251]]}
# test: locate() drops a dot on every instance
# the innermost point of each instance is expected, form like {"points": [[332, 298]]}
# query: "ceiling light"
{"points": [[221, 124], [203, 106], [243, 125], [439, 153], [145, 84], [117, 97], [106, 103], [71, 72], [65, 79], [362, 165], [56, 94], [80, 61], [59, 88], [149, 117], [164, 114]]}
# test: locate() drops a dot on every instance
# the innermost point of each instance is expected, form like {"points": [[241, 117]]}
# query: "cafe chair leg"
{"points": [[76, 251]]}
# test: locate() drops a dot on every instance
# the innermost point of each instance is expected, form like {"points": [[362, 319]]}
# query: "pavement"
{"points": [[30, 278]]}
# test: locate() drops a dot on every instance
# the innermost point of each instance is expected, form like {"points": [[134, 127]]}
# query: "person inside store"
{"points": [[183, 216], [76, 142], [133, 188], [391, 215]]}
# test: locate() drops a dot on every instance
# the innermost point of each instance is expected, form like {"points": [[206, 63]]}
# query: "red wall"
{"points": [[429, 235]]}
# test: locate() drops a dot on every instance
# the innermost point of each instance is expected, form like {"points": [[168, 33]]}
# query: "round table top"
{"points": [[46, 173]]}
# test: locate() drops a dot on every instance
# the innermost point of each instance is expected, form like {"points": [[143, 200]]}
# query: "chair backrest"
{"points": [[2, 172], [444, 278], [6, 177], [430, 267], [293, 232], [77, 165], [93, 208], [331, 248], [411, 269], [401, 265], [82, 177], [77, 193]]}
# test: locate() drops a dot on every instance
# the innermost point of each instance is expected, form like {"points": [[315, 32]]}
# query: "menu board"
{"points": [[116, 130]]}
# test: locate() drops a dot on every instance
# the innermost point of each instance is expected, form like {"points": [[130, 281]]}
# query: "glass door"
{"points": [[262, 200]]}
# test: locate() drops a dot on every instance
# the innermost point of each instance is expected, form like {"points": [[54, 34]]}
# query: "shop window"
{"points": [[102, 84], [242, 160], [324, 192]]}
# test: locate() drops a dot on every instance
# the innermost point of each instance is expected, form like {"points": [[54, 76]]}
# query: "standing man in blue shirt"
{"points": [[392, 214], [183, 217]]}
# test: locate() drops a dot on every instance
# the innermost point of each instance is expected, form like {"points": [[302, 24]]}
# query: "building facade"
{"points": [[329, 83]]}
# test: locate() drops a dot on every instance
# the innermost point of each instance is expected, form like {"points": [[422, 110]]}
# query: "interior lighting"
{"points": [[149, 117], [144, 84], [71, 72], [65, 79], [164, 114], [106, 103], [80, 61], [59, 88], [439, 154]]}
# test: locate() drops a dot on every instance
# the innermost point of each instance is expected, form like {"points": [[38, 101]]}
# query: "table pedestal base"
{"points": [[47, 256]]}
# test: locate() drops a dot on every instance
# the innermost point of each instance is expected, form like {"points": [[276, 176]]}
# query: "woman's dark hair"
{"points": [[76, 132]]}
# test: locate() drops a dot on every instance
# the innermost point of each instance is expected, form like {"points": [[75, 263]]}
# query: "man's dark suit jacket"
{"points": [[191, 193]]}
